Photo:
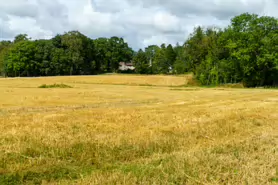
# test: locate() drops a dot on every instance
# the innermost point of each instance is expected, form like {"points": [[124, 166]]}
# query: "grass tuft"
{"points": [[44, 86]]}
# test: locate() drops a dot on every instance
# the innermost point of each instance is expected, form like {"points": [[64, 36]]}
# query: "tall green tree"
{"points": [[21, 60], [181, 62], [196, 48], [150, 52], [141, 62], [119, 51], [73, 44], [170, 56], [161, 64], [110, 52], [4, 50], [253, 45], [21, 37]]}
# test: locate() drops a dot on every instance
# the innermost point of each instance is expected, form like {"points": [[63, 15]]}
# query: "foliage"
{"points": [[180, 65], [69, 54], [4, 50], [244, 52], [141, 63], [21, 37], [111, 52]]}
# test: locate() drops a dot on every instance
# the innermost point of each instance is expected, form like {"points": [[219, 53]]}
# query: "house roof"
{"points": [[126, 64]]}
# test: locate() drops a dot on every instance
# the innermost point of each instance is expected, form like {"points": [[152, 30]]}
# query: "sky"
{"points": [[139, 22]]}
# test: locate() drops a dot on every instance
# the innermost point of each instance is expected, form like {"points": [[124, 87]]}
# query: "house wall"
{"points": [[124, 67]]}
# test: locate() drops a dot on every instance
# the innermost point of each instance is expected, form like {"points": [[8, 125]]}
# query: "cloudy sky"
{"points": [[140, 22]]}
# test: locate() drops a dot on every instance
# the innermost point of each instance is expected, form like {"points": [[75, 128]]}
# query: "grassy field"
{"points": [[126, 129]]}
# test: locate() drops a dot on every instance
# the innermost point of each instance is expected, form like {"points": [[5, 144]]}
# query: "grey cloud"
{"points": [[5, 32], [21, 8], [111, 6], [53, 15], [222, 9], [140, 22]]}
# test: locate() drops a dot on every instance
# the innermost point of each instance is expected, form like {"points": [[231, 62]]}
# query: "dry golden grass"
{"points": [[132, 80], [143, 131]]}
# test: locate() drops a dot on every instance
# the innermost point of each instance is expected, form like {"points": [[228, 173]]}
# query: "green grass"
{"points": [[186, 89], [44, 86]]}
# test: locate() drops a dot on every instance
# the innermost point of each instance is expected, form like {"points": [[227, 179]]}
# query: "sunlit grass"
{"points": [[131, 80], [102, 133]]}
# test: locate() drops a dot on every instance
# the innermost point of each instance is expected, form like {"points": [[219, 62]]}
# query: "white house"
{"points": [[126, 66]]}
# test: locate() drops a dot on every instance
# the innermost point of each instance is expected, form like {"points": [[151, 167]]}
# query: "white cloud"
{"points": [[140, 22], [20, 24], [167, 22]]}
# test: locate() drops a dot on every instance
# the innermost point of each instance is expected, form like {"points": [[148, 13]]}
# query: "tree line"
{"points": [[70, 54], [245, 52]]}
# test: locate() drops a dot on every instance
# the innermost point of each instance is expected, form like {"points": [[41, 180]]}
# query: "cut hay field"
{"points": [[126, 129]]}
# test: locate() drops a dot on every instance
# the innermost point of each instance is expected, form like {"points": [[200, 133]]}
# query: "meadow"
{"points": [[128, 129]]}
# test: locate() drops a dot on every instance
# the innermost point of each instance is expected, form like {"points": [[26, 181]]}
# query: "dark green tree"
{"points": [[181, 61], [150, 52], [4, 50], [21, 37], [21, 60], [170, 56], [141, 62]]}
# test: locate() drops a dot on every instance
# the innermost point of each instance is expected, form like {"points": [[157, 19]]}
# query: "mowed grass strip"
{"points": [[131, 80], [136, 135]]}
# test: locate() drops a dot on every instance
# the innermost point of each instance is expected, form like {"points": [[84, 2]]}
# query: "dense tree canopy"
{"points": [[244, 52], [4, 49], [141, 63], [109, 52], [69, 54]]}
